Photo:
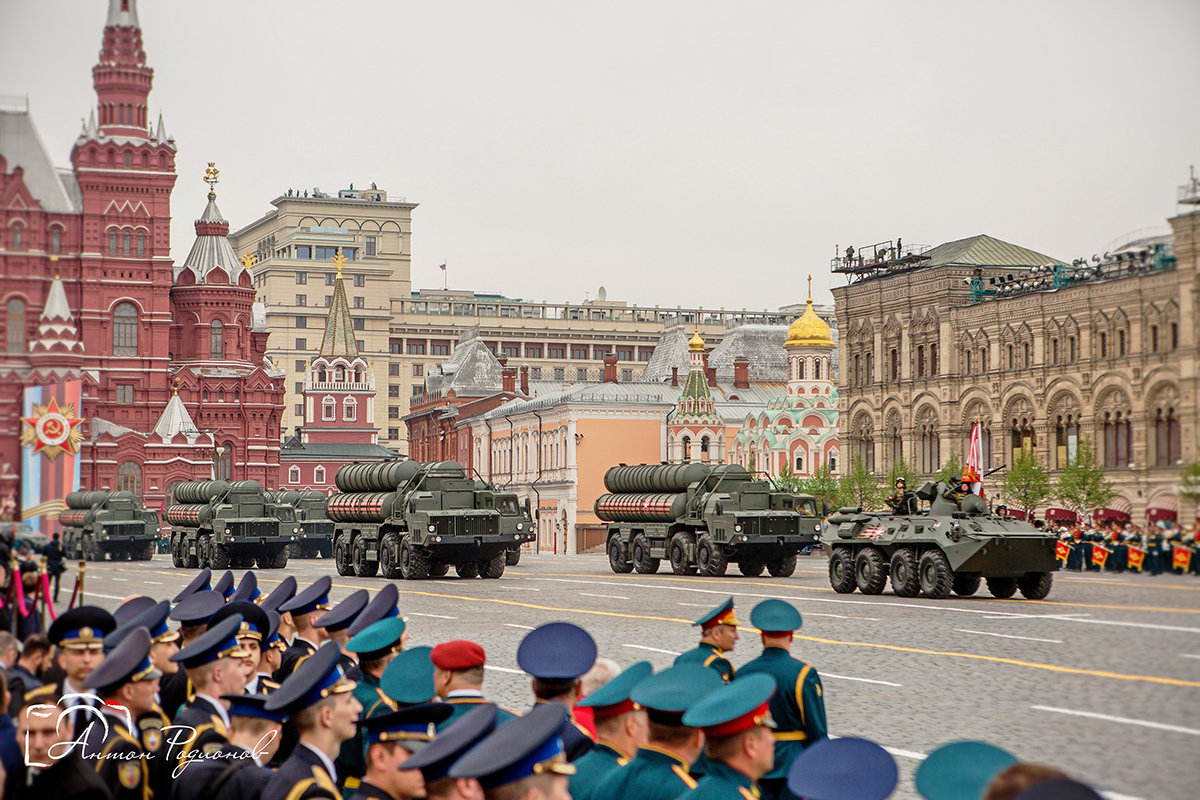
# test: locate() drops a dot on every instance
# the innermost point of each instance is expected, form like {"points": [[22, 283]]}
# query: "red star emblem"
{"points": [[52, 429]]}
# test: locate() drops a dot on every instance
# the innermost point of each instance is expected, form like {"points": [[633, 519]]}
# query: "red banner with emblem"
{"points": [[1137, 558], [1099, 555], [1181, 558], [1062, 551]]}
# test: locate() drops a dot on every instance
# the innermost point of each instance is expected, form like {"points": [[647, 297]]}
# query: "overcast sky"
{"points": [[687, 153]]}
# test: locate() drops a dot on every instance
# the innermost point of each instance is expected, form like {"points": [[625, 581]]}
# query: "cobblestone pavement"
{"points": [[1102, 679]]}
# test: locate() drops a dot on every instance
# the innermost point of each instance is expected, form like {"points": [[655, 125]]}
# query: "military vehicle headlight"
{"points": [[431, 528], [295, 530], [520, 526], [737, 528]]}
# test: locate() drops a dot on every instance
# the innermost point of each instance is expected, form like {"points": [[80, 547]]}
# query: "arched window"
{"points": [[349, 409], [1103, 345], [799, 469], [129, 478], [17, 232], [112, 243], [1066, 439], [1023, 436], [141, 244], [816, 369], [704, 441], [1118, 438], [223, 462], [128, 160], [125, 330], [15, 334], [1120, 343], [1166, 437], [930, 455], [216, 340], [319, 475], [56, 240], [293, 474], [687, 448], [328, 409], [125, 243]]}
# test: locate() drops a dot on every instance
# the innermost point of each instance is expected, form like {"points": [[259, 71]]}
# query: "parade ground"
{"points": [[1101, 679]]}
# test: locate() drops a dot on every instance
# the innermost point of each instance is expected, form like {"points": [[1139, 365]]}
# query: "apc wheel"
{"points": [[937, 579], [512, 556], [751, 567], [1035, 585], [1002, 588], [677, 552], [841, 570], [870, 574], [364, 568], [221, 557], [710, 557], [279, 559], [966, 583], [492, 568], [341, 557], [905, 579], [639, 551], [618, 558], [414, 560], [389, 564], [467, 569], [438, 570], [782, 567]]}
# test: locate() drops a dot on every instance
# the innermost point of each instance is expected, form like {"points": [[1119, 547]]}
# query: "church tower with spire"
{"points": [[695, 431]]}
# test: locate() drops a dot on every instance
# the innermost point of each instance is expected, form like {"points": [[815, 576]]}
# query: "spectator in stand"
{"points": [[26, 674]]}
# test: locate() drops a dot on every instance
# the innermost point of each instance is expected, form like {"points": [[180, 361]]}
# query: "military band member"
{"points": [[126, 683], [453, 742], [390, 740], [557, 655], [737, 728], [523, 760], [718, 636], [376, 647], [320, 702], [333, 624], [301, 609], [237, 769], [48, 773], [79, 635], [224, 585], [798, 705], [382, 606], [661, 769], [199, 583], [247, 589], [458, 669], [621, 728]]}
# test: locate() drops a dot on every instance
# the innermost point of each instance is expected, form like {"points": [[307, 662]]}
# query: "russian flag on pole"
{"points": [[973, 471], [442, 267]]}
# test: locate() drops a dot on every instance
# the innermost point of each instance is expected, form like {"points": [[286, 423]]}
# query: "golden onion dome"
{"points": [[809, 330], [696, 344]]}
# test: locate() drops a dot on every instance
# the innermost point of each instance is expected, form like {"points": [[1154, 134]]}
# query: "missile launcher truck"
{"points": [[116, 524], [315, 539], [415, 520], [701, 518], [222, 524]]}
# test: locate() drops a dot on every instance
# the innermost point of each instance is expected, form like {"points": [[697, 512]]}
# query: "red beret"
{"points": [[457, 654]]}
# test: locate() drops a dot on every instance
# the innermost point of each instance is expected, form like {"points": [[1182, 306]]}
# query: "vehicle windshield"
{"points": [[507, 505], [807, 507], [285, 513]]}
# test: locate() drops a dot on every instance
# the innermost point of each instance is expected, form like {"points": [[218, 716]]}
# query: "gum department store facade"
{"points": [[1111, 355]]}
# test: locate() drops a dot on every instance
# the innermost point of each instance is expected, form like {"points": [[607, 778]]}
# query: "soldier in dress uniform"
{"points": [[556, 655], [845, 768], [798, 705], [45, 777], [127, 683], [247, 589], [452, 743], [271, 655], [408, 680], [961, 769], [661, 770], [197, 584], [285, 591], [737, 728], [254, 629], [390, 740], [236, 769], [333, 624], [382, 606], [376, 647], [79, 635], [458, 677], [148, 725], [718, 636], [224, 585], [133, 607], [524, 758], [621, 728], [301, 609], [193, 614], [320, 701]]}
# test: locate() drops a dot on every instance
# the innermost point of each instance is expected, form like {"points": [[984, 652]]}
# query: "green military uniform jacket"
{"points": [[461, 705], [724, 783], [708, 655], [798, 705], [351, 762], [653, 774], [593, 767]]}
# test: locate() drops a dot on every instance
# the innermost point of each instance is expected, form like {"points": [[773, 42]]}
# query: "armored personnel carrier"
{"points": [[952, 547], [414, 520], [114, 524], [701, 518], [315, 539], [219, 524]]}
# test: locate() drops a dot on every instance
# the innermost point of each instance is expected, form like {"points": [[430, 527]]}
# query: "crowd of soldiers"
{"points": [[227, 693], [1162, 547]]}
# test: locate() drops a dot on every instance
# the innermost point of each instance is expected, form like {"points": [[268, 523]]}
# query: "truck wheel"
{"points": [[841, 570], [618, 559], [751, 567], [178, 559], [279, 558], [937, 579], [967, 583], [414, 560], [147, 552], [192, 560], [512, 556], [1003, 588], [390, 555], [364, 568], [639, 551], [782, 567], [221, 557], [870, 574], [677, 551], [492, 568], [204, 551], [467, 569], [906, 580], [710, 557], [439, 569], [1035, 585], [341, 557]]}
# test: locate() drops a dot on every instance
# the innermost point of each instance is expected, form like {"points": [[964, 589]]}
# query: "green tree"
{"points": [[788, 480], [859, 487], [1189, 481], [951, 471], [1082, 486], [821, 485], [902, 469], [1027, 483]]}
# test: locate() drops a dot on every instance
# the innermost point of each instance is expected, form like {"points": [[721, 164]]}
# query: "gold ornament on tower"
{"points": [[809, 330]]}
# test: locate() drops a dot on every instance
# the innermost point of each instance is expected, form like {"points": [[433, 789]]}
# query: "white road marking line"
{"points": [[519, 589], [105, 596], [840, 616], [115, 578], [435, 616], [609, 596], [515, 625], [860, 680], [504, 669], [1010, 636], [153, 583], [1187, 655], [651, 649], [696, 605], [1124, 720]]}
